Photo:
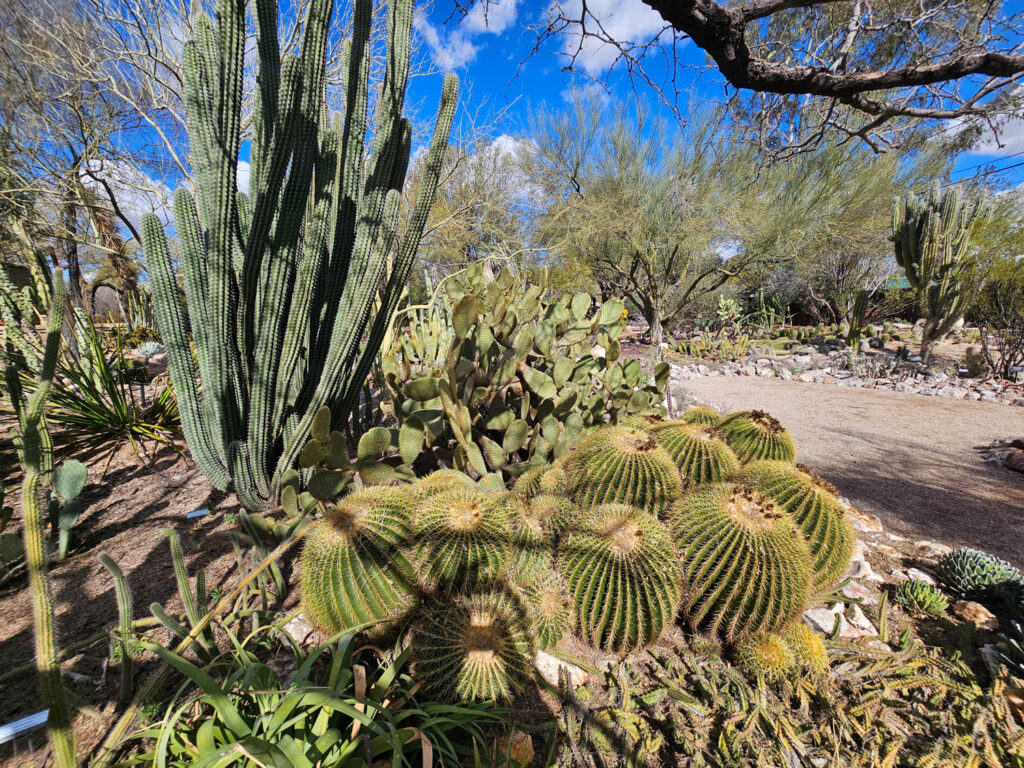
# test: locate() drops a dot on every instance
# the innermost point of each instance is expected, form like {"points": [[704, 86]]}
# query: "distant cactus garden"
{"points": [[367, 443]]}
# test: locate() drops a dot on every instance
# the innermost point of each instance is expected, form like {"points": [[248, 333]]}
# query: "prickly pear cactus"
{"points": [[474, 647], [745, 567], [623, 465], [755, 435], [697, 451], [524, 376], [353, 570], [621, 569], [815, 507]]}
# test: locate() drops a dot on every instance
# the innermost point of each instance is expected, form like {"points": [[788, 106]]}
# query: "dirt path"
{"points": [[909, 459]]}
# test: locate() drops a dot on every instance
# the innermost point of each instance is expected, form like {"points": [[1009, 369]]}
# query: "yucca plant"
{"points": [[474, 647], [354, 572], [290, 289], [621, 569], [745, 567]]}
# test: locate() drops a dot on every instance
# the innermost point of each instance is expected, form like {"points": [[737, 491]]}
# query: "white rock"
{"points": [[919, 575], [549, 667], [864, 521], [860, 622], [822, 620], [597, 350], [982, 617], [933, 548], [857, 591], [806, 377]]}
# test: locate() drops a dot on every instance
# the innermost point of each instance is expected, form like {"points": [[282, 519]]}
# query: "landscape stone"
{"points": [[864, 521], [920, 575], [933, 548], [549, 667], [857, 591], [983, 618]]}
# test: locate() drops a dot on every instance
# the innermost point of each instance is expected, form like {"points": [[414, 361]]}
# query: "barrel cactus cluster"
{"points": [[642, 526]]}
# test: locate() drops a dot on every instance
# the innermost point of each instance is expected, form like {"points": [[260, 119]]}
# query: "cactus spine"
{"points": [[291, 289], [548, 608], [745, 567], [698, 414], [756, 435], [815, 509], [765, 656], [622, 465], [622, 573], [932, 242], [860, 309], [353, 571], [697, 451], [125, 636], [36, 456]]}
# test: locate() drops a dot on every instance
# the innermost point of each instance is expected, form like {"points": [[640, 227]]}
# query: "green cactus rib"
{"points": [[756, 435], [463, 538], [765, 656], [698, 453], [548, 608], [290, 290], [745, 568], [542, 480], [807, 647], [970, 573], [622, 465], [697, 414], [530, 542], [920, 596], [556, 514], [353, 571], [474, 647], [621, 569], [436, 482], [813, 503]]}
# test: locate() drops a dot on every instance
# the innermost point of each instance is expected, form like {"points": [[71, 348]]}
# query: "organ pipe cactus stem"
{"points": [[125, 637], [291, 289], [35, 454]]}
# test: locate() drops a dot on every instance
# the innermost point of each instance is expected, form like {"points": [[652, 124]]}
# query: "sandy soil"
{"points": [[910, 460]]}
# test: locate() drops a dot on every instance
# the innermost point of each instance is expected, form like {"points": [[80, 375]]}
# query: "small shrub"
{"points": [[999, 309]]}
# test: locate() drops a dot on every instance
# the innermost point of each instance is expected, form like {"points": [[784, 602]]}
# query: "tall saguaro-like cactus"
{"points": [[932, 239], [291, 288]]}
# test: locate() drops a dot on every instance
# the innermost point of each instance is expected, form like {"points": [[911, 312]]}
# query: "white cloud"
{"points": [[135, 192], [627, 22], [244, 170], [452, 53], [1008, 139], [491, 16]]}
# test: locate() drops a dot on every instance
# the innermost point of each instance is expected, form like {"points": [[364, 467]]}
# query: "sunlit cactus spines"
{"points": [[547, 479], [622, 465], [621, 569], [475, 646], [548, 607], [556, 514], [756, 435], [529, 541], [438, 481], [699, 414], [463, 538], [815, 507], [289, 290], [353, 572], [745, 567], [697, 451], [765, 656], [808, 648]]}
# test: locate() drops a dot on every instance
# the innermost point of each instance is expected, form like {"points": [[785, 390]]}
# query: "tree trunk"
{"points": [[657, 330], [927, 340]]}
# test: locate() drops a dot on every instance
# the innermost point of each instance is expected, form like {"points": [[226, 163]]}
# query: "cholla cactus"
{"points": [[290, 289]]}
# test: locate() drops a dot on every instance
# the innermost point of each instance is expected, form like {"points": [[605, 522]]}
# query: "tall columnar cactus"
{"points": [[621, 569], [354, 572], [290, 288], [35, 453], [933, 240], [756, 435], [698, 452], [745, 567], [624, 465], [816, 510], [860, 310]]}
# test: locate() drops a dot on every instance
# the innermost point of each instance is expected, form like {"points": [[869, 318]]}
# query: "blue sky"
{"points": [[495, 60]]}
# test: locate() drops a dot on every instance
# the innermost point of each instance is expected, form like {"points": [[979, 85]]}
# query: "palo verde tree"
{"points": [[932, 237], [645, 214], [290, 289]]}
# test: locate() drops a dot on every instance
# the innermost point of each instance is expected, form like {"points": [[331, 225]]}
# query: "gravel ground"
{"points": [[908, 459]]}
